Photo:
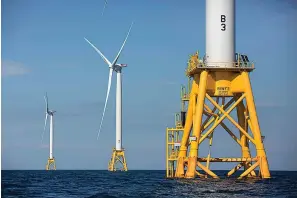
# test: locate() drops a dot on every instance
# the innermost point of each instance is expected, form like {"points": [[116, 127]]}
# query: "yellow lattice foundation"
{"points": [[118, 157], [51, 164], [225, 89]]}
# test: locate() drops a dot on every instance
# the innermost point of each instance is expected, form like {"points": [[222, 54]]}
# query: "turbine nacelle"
{"points": [[50, 112], [122, 65], [118, 67]]}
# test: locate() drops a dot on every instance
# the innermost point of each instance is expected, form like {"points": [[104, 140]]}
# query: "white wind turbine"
{"points": [[51, 114], [114, 66]]}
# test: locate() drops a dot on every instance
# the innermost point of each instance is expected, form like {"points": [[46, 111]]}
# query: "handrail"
{"points": [[223, 65], [183, 92], [177, 119]]}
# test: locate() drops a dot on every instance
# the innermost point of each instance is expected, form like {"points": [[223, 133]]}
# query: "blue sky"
{"points": [[43, 50]]}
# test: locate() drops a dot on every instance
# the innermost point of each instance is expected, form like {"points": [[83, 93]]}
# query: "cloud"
{"points": [[12, 68]]}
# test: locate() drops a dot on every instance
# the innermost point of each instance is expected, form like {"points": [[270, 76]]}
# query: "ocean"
{"points": [[93, 184]]}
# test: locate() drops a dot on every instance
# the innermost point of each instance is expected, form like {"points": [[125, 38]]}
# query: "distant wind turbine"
{"points": [[51, 161]]}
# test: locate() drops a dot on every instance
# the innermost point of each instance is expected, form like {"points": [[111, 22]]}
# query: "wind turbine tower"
{"points": [[118, 154], [220, 84], [51, 164]]}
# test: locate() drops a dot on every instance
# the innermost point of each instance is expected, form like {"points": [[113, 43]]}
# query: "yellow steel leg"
{"points": [[192, 160], [51, 164], [187, 129], [244, 144], [125, 168], [264, 167]]}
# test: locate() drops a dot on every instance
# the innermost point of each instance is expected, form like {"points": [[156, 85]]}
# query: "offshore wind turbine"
{"points": [[118, 153], [51, 164]]}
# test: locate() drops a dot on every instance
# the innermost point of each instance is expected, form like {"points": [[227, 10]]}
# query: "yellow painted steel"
{"points": [[118, 157], [172, 148], [186, 134], [209, 84], [51, 164], [205, 169], [236, 168], [211, 136], [192, 161]]}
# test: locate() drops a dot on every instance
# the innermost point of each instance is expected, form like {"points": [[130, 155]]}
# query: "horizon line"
{"points": [[116, 171]]}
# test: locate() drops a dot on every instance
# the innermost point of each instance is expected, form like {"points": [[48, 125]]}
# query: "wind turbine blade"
{"points": [[45, 120], [98, 51], [117, 57], [104, 6], [46, 102], [107, 94]]}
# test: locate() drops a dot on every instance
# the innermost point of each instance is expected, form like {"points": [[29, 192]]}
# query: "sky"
{"points": [[43, 50]]}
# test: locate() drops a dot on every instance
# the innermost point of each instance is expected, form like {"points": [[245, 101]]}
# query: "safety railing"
{"points": [[183, 93], [178, 122], [221, 65]]}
